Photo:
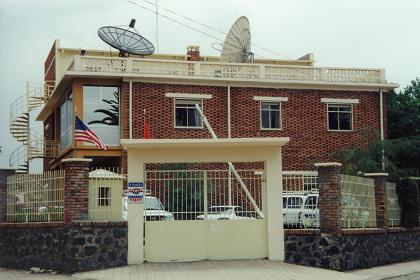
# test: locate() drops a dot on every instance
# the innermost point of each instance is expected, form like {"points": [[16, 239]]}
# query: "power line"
{"points": [[211, 28]]}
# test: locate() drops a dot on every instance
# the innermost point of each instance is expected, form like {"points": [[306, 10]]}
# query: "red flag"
{"points": [[146, 127]]}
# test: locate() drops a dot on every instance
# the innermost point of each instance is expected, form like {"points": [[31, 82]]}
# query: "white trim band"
{"points": [[340, 100], [188, 95], [271, 98]]}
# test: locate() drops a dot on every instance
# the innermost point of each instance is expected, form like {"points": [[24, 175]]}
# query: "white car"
{"points": [[309, 212], [225, 212], [292, 204], [153, 210]]}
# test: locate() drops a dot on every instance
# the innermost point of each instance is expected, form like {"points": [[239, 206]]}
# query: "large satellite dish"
{"points": [[237, 45], [127, 40]]}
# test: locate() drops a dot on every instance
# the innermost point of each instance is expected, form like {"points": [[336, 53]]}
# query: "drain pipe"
{"points": [[130, 117], [229, 136], [381, 112]]}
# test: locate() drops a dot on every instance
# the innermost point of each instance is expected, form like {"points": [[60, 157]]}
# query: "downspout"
{"points": [[381, 112], [229, 135], [130, 117]]}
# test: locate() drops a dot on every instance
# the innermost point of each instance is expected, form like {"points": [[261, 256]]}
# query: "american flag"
{"points": [[83, 133]]}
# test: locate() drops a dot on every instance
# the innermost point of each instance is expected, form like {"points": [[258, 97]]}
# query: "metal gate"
{"points": [[204, 214]]}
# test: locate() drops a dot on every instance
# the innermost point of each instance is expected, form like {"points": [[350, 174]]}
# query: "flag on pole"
{"points": [[84, 134], [146, 127]]}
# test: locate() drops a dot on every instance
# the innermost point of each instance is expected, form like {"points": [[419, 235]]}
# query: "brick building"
{"points": [[321, 109]]}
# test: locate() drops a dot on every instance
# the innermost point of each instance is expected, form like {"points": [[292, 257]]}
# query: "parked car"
{"points": [[225, 212], [153, 210], [292, 204], [309, 212]]}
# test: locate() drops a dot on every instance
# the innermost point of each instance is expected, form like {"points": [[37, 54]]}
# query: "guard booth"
{"points": [[203, 234]]}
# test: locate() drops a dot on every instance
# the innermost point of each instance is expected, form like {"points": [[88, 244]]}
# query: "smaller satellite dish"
{"points": [[237, 45], [127, 40]]}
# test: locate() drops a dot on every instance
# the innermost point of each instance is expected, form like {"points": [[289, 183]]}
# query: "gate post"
{"points": [[380, 198], [329, 197], [76, 189], [4, 173]]}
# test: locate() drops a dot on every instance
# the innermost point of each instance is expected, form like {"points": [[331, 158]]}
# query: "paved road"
{"points": [[231, 270]]}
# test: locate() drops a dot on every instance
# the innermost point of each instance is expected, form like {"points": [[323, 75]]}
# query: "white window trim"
{"points": [[339, 101], [188, 127], [352, 118], [188, 95], [280, 117], [271, 98]]}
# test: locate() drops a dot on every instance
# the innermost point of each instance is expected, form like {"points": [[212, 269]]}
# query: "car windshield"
{"points": [[219, 209], [152, 203], [292, 202]]}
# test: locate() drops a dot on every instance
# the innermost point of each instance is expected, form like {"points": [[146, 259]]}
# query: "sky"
{"points": [[352, 33]]}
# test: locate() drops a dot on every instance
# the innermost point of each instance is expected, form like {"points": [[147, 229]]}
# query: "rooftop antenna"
{"points": [[237, 45], [126, 39]]}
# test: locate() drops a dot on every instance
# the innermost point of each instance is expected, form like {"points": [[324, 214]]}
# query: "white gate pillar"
{"points": [[274, 213], [135, 215]]}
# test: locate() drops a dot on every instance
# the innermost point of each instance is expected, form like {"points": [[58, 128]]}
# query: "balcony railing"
{"points": [[229, 71]]}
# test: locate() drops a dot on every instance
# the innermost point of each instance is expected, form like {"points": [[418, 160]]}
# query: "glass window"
{"points": [[340, 117], [66, 122], [104, 196], [311, 202], [186, 115], [101, 112], [294, 202], [270, 115]]}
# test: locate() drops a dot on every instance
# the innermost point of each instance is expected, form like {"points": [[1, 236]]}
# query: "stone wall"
{"points": [[353, 249], [68, 248]]}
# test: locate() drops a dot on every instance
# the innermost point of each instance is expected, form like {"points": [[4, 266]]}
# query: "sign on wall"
{"points": [[135, 192]]}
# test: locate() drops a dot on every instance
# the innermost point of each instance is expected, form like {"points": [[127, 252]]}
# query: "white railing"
{"points": [[357, 202], [394, 210], [201, 195], [300, 181], [234, 71], [106, 202], [35, 197]]}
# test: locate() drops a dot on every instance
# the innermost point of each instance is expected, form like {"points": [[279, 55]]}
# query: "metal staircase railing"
{"points": [[33, 145]]}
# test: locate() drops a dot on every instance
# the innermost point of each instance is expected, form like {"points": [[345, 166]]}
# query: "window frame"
{"points": [[280, 117], [104, 201], [188, 99], [351, 117]]}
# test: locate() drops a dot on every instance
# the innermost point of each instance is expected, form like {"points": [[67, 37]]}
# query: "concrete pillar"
{"points": [[380, 198], [274, 207], [4, 173], [135, 217], [76, 189], [329, 197]]}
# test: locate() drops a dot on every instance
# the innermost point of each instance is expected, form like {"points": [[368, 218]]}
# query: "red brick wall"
{"points": [[304, 118], [49, 65]]}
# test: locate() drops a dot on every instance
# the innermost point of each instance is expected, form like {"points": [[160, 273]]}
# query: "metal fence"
{"points": [[35, 197], [202, 195], [300, 181], [357, 202], [394, 211], [106, 202]]}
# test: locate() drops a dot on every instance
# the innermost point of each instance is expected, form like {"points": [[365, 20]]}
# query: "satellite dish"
{"points": [[127, 40], [237, 45]]}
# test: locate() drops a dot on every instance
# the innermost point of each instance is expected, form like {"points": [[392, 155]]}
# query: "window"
{"points": [[104, 198], [270, 115], [340, 117], [294, 202], [101, 112], [186, 115], [311, 202], [66, 122]]}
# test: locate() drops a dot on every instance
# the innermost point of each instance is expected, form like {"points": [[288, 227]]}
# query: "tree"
{"points": [[402, 148]]}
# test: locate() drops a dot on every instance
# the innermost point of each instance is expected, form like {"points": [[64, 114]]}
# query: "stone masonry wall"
{"points": [[351, 251], [67, 248]]}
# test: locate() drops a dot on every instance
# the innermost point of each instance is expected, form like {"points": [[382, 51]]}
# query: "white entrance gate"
{"points": [[203, 214]]}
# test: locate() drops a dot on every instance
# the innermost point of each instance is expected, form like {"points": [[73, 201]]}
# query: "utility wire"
{"points": [[210, 27]]}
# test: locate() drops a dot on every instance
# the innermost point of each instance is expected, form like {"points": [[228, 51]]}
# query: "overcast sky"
{"points": [[356, 33]]}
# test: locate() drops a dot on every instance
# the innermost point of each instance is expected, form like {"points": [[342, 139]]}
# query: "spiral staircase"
{"points": [[33, 145]]}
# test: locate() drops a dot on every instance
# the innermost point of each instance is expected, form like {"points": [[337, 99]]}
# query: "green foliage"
{"points": [[401, 149]]}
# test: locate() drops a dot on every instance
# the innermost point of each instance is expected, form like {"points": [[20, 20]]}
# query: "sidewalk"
{"points": [[224, 270]]}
